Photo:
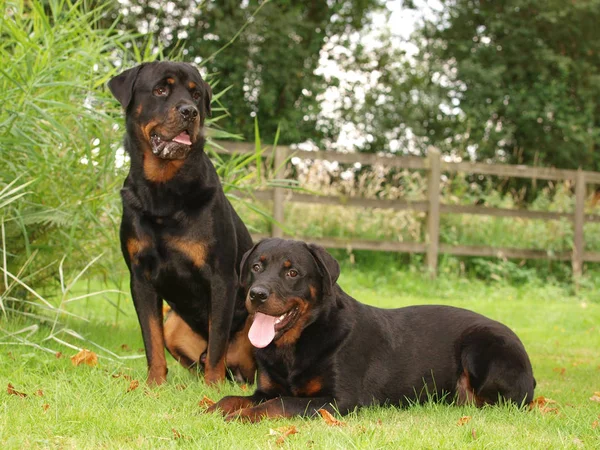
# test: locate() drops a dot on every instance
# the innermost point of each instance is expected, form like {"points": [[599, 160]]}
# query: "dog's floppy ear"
{"points": [[243, 266], [328, 266], [122, 85], [207, 95]]}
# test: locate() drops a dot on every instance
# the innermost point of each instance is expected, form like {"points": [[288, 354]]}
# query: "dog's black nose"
{"points": [[188, 112], [258, 294]]}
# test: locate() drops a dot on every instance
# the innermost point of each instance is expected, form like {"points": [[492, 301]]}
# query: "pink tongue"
{"points": [[262, 330], [183, 138]]}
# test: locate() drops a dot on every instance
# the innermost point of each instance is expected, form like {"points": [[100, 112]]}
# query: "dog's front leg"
{"points": [[222, 300], [148, 306], [283, 407]]}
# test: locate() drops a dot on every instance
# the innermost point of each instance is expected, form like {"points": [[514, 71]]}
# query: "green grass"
{"points": [[89, 408]]}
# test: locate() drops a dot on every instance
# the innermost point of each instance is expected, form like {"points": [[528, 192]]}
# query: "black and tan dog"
{"points": [[317, 347], [180, 236]]}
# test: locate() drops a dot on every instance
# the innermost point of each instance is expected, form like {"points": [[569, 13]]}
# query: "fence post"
{"points": [[278, 192], [433, 213], [578, 221]]}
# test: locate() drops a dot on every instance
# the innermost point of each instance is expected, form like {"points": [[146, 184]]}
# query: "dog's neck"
{"points": [[191, 188]]}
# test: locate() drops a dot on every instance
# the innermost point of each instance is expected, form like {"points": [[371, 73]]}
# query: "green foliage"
{"points": [[57, 132], [515, 81], [270, 66]]}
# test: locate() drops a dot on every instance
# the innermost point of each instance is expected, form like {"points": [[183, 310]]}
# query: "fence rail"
{"points": [[434, 166]]}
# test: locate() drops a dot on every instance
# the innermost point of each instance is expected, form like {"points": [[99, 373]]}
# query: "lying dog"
{"points": [[317, 347], [180, 236]]}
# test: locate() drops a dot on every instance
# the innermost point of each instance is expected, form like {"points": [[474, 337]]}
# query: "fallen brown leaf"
{"points": [[560, 370], [133, 385], [595, 424], [122, 375], [206, 402], [10, 355], [284, 432], [463, 420], [595, 397], [125, 348], [58, 355], [542, 403], [330, 420], [10, 389], [39, 393], [45, 407], [176, 434], [473, 433], [244, 387], [85, 357]]}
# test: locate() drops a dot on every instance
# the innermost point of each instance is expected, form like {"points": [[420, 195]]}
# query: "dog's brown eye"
{"points": [[256, 267], [196, 95], [292, 273], [160, 91]]}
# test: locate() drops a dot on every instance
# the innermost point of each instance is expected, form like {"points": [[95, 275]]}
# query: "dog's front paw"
{"points": [[230, 404]]}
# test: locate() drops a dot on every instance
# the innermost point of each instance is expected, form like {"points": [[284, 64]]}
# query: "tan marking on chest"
{"points": [[135, 246], [159, 170], [196, 251]]}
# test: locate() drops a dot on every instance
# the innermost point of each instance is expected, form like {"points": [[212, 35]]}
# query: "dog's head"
{"points": [[165, 105], [287, 284]]}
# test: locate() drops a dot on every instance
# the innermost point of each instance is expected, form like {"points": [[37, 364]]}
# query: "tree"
{"points": [[516, 81], [270, 66]]}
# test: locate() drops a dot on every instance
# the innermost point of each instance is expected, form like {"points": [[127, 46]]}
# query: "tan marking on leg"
{"points": [[183, 343], [240, 354], [216, 373], [157, 372], [465, 393], [196, 251]]}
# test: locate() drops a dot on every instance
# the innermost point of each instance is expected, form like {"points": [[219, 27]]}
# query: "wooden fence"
{"points": [[434, 165]]}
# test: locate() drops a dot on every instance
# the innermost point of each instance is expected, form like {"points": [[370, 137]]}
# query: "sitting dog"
{"points": [[181, 238], [317, 347]]}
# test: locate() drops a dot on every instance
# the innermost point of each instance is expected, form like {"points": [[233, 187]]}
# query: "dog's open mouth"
{"points": [[265, 329], [177, 147]]}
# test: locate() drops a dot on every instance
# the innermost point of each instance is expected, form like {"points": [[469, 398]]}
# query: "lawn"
{"points": [[93, 407]]}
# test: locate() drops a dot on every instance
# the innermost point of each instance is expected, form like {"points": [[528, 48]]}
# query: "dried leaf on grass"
{"points": [[85, 357], [12, 391], [39, 393], [595, 397], [330, 420], [560, 370], [542, 403], [122, 375], [176, 434], [473, 433], [58, 355], [463, 420], [206, 402], [45, 407], [125, 348], [282, 433], [133, 385]]}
